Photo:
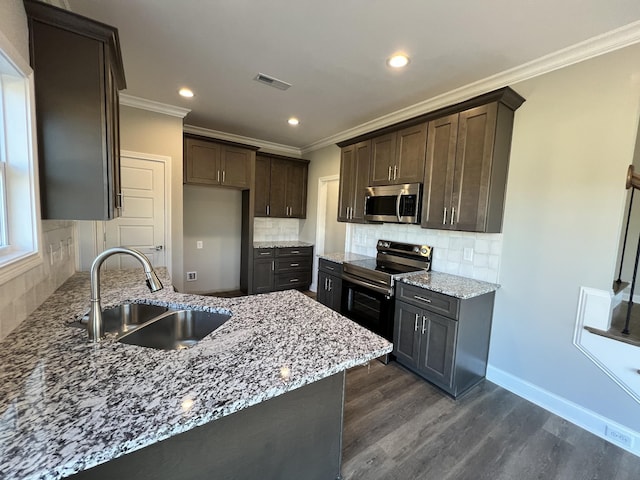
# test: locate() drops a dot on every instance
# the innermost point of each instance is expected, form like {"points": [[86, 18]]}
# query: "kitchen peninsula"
{"points": [[67, 406]]}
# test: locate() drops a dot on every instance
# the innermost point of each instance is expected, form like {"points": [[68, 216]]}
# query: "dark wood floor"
{"points": [[396, 426]]}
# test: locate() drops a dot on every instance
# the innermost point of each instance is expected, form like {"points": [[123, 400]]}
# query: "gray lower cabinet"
{"points": [[329, 284], [442, 338], [281, 268]]}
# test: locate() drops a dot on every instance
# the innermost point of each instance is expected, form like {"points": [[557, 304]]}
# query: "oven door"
{"points": [[368, 305]]}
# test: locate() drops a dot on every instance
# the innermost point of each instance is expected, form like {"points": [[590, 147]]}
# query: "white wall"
{"points": [[213, 216], [572, 142]]}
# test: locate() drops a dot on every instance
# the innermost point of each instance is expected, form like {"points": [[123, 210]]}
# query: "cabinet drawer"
{"points": [[294, 252], [292, 280], [329, 267], [432, 301], [263, 253], [293, 264]]}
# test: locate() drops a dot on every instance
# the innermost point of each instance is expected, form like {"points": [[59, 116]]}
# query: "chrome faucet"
{"points": [[95, 327]]}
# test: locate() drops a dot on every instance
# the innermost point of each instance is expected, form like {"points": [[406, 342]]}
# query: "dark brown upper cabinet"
{"points": [[78, 73], [466, 169], [354, 179], [398, 157], [208, 162], [281, 187]]}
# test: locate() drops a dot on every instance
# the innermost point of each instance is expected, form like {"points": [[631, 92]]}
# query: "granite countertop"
{"points": [[343, 257], [453, 285], [281, 244], [67, 405]]}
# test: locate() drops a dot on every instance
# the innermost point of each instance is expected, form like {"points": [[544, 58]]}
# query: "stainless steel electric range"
{"points": [[368, 285]]}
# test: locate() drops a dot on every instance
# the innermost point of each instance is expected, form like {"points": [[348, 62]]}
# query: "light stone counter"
{"points": [[66, 405], [453, 285], [343, 257], [281, 244]]}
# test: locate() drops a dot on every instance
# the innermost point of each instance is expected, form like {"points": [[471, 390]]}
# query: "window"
{"points": [[19, 223]]}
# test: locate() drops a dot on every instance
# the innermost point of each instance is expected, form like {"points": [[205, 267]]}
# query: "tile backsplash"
{"points": [[473, 255], [20, 296], [267, 229]]}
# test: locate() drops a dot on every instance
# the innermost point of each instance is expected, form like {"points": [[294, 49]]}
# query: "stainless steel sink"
{"points": [[175, 330], [125, 317]]}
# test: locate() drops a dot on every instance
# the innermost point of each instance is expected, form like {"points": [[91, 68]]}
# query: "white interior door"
{"points": [[141, 224]]}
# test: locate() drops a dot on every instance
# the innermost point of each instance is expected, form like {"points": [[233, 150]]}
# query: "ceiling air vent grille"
{"points": [[272, 81]]}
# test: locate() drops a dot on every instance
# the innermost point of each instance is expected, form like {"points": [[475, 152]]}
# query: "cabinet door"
{"points": [[345, 196], [263, 275], [437, 348], [278, 192], [235, 167], [472, 178], [262, 186], [411, 145], [383, 152], [360, 177], [334, 293], [296, 189], [406, 334], [438, 173], [323, 289], [202, 162]]}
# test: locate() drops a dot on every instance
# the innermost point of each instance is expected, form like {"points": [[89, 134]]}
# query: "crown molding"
{"points": [[153, 106], [264, 145], [593, 47]]}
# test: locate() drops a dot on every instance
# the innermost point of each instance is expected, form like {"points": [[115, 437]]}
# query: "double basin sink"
{"points": [[158, 327]]}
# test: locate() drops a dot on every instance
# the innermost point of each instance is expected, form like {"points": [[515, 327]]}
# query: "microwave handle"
{"points": [[398, 200]]}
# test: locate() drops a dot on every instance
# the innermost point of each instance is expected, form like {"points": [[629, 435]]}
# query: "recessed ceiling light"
{"points": [[398, 60], [185, 92], [293, 121]]}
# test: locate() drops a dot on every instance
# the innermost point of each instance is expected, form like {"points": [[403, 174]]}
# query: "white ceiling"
{"points": [[333, 52]]}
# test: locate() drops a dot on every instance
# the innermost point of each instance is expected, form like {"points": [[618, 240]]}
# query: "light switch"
{"points": [[199, 244], [468, 254]]}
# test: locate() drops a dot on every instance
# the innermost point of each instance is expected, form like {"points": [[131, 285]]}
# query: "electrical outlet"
{"points": [[191, 276], [618, 436], [199, 244], [468, 254]]}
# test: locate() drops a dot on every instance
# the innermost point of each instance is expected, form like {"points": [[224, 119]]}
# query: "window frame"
{"points": [[21, 249]]}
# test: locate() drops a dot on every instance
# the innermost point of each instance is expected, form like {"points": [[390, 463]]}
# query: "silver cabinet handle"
{"points": [[329, 268], [293, 280], [265, 253], [389, 175], [218, 176], [395, 171], [295, 252], [326, 283], [453, 214], [267, 210], [423, 324], [444, 217], [273, 265], [418, 297], [415, 329], [223, 175], [330, 283], [295, 265]]}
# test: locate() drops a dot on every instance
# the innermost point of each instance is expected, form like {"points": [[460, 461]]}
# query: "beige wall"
{"points": [[572, 142], [149, 132], [323, 163], [213, 216], [23, 294]]}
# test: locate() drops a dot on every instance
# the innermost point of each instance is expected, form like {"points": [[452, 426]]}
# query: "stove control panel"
{"points": [[406, 248]]}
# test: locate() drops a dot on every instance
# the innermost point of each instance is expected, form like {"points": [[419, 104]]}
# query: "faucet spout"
{"points": [[95, 327]]}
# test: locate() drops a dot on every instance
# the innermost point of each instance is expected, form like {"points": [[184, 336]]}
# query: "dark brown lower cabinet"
{"points": [[281, 268], [329, 284], [448, 348]]}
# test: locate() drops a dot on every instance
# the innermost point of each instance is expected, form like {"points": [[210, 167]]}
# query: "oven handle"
{"points": [[375, 288], [398, 200]]}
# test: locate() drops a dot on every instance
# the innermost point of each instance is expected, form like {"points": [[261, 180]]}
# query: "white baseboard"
{"points": [[572, 412]]}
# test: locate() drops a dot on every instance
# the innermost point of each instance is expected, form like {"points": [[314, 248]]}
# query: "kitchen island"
{"points": [[67, 406]]}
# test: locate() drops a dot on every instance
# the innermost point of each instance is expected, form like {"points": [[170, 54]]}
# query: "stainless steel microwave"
{"points": [[393, 203]]}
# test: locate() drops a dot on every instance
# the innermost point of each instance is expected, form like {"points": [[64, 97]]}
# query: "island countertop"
{"points": [[66, 405]]}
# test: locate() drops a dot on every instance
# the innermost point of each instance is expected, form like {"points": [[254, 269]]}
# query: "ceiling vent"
{"points": [[272, 81]]}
